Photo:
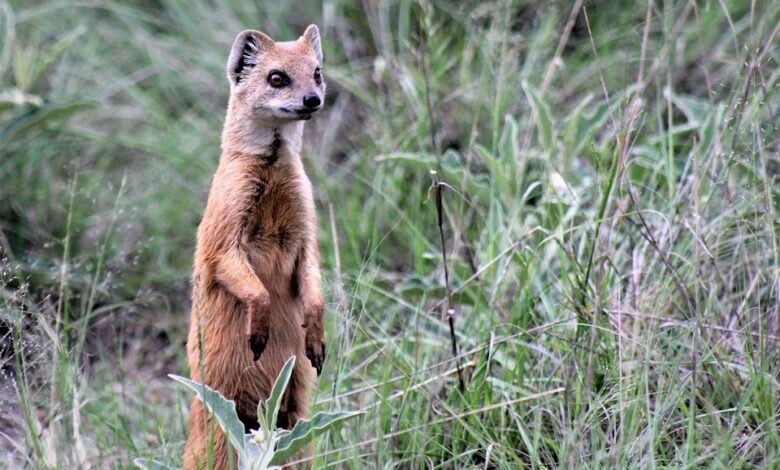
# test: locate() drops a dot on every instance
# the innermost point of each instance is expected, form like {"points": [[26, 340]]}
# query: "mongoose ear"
{"points": [[312, 38], [245, 54]]}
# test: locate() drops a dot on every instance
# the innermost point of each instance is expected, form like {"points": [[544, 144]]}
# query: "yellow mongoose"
{"points": [[256, 296]]}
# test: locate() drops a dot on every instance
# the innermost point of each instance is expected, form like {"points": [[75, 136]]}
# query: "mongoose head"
{"points": [[277, 80]]}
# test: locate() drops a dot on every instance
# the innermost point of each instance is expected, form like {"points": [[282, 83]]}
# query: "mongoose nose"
{"points": [[311, 101]]}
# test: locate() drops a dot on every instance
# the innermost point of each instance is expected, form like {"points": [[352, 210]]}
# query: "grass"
{"points": [[608, 174]]}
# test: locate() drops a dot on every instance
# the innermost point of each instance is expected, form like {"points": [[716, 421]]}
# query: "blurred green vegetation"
{"points": [[610, 222]]}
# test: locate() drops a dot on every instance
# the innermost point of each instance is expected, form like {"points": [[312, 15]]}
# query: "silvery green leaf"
{"points": [[306, 430], [274, 401], [544, 120], [222, 409]]}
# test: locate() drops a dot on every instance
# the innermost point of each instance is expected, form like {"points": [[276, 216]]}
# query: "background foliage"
{"points": [[609, 184]]}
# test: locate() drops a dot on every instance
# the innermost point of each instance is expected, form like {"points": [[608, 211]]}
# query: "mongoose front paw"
{"points": [[257, 329], [257, 342], [315, 351]]}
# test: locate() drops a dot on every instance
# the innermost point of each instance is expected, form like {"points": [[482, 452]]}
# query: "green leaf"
{"points": [[544, 121], [7, 24], [222, 409], [23, 66], [582, 126], [488, 159], [274, 400], [696, 111], [31, 62], [507, 145], [306, 430], [509, 154], [57, 49], [701, 115], [38, 116]]}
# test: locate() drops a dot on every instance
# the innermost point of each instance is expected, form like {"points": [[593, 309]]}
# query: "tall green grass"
{"points": [[609, 202]]}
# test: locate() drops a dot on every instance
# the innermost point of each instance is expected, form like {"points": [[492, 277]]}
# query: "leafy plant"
{"points": [[266, 447], [30, 64]]}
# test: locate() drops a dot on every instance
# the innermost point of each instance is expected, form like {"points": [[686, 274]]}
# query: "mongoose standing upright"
{"points": [[256, 296]]}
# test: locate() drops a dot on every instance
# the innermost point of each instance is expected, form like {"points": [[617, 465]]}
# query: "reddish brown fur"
{"points": [[256, 274]]}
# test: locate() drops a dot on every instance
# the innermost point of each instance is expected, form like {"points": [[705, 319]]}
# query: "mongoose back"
{"points": [[256, 296]]}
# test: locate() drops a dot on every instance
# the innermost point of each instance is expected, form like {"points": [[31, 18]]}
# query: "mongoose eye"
{"points": [[318, 75], [278, 79]]}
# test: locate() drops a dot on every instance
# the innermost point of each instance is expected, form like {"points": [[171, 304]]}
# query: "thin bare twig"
{"points": [[640, 79], [437, 188], [447, 308], [575, 11]]}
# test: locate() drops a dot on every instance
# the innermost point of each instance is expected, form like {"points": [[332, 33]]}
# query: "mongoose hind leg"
{"points": [[197, 454]]}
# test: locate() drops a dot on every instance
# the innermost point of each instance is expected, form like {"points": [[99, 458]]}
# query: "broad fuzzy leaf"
{"points": [[273, 402], [582, 125], [222, 409], [544, 121], [306, 430]]}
